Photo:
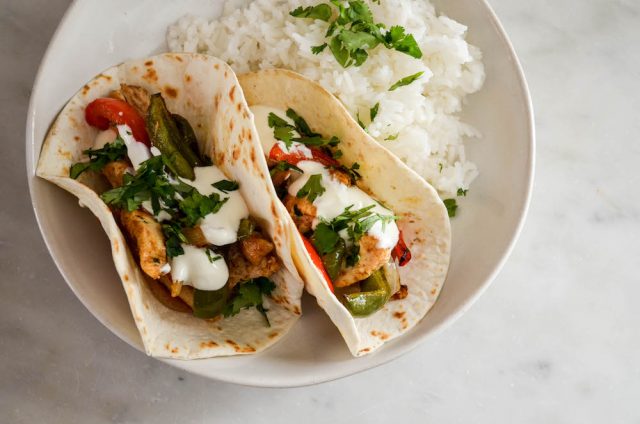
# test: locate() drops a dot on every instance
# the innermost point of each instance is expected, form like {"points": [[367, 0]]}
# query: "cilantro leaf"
{"points": [[353, 32], [405, 43], [211, 255], [98, 158], [373, 112], [312, 188], [452, 206], [281, 129], [321, 12], [226, 186], [173, 239], [195, 206], [462, 192], [406, 80], [284, 166], [325, 238], [275, 121], [249, 294], [362, 125], [392, 137], [341, 54], [353, 41], [300, 124], [318, 49]]}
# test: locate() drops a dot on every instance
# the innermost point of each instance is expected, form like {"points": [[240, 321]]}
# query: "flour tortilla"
{"points": [[205, 91], [423, 217]]}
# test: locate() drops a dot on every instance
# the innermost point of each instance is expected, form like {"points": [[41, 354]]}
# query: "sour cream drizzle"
{"points": [[137, 152], [222, 227], [194, 268], [338, 196]]}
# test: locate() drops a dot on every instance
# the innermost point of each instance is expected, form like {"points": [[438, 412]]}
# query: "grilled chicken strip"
{"points": [[371, 258]]}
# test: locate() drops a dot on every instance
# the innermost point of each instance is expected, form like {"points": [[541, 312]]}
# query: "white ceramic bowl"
{"points": [[95, 35]]}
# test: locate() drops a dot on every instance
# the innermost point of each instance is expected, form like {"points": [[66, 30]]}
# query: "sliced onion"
{"points": [[390, 270]]}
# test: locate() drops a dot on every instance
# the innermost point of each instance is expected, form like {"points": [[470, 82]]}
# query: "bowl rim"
{"points": [[31, 143]]}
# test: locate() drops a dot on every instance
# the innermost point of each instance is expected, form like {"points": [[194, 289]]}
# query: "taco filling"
{"points": [[187, 224], [351, 237]]}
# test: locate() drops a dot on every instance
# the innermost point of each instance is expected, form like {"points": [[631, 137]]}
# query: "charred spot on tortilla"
{"points": [[85, 89], [148, 63], [216, 66], [187, 77], [150, 76], [398, 314], [76, 138], [239, 106], [232, 91], [171, 91], [236, 153]]}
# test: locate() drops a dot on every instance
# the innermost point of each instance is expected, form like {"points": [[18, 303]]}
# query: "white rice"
{"points": [[423, 115]]}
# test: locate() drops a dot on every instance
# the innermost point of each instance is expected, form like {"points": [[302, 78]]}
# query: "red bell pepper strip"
{"points": [[103, 112], [278, 155], [315, 258], [401, 251]]}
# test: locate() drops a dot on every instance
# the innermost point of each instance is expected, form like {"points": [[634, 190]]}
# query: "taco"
{"points": [[371, 238], [203, 259]]}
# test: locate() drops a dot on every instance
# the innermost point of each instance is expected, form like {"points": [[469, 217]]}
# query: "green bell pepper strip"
{"points": [[375, 292], [163, 133], [245, 229], [210, 303], [187, 144], [334, 260]]}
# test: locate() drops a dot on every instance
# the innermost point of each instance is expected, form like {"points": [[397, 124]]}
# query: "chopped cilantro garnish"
{"points": [[283, 131], [462, 192], [406, 80], [355, 222], [249, 294], [284, 166], [195, 206], [173, 239], [440, 167], [391, 137], [362, 125], [353, 172], [452, 206], [98, 158], [373, 112], [211, 255], [312, 188], [226, 186], [300, 124], [321, 12], [149, 183], [353, 32], [318, 49]]}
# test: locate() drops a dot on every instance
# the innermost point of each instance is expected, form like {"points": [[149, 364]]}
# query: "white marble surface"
{"points": [[556, 339]]}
